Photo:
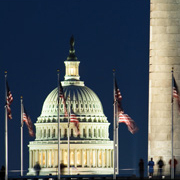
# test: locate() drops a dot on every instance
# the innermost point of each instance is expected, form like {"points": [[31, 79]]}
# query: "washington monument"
{"points": [[164, 55]]}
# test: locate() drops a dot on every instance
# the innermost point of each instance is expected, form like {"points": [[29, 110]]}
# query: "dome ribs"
{"points": [[84, 102]]}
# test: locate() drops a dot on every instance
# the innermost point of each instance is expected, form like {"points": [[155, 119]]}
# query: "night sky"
{"points": [[34, 43]]}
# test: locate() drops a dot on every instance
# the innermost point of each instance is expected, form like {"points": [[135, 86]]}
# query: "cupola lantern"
{"points": [[72, 63]]}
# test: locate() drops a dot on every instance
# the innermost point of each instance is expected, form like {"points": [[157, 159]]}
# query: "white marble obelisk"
{"points": [[164, 54]]}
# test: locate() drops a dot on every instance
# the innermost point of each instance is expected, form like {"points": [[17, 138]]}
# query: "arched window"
{"points": [[65, 133], [78, 158], [53, 134], [40, 162], [65, 157], [44, 159], [40, 133], [84, 158], [100, 158], [71, 132], [90, 134], [95, 135], [44, 132], [103, 133], [84, 133], [91, 158], [72, 158], [99, 133], [48, 132], [104, 157]]}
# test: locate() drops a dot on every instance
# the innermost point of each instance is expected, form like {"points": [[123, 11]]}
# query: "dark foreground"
{"points": [[81, 177]]}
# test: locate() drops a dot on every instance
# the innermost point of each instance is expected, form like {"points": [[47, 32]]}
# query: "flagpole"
{"points": [[68, 137], [21, 136], [115, 130], [172, 131], [58, 128], [117, 138], [117, 134], [6, 131]]}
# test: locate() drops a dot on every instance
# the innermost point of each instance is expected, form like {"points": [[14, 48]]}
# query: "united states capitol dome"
{"points": [[82, 146], [83, 101]]}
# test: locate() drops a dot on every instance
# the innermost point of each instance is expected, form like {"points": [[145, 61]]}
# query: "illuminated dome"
{"points": [[83, 102], [91, 151]]}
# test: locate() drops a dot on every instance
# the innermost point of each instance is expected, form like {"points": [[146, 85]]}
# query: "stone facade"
{"points": [[164, 54]]}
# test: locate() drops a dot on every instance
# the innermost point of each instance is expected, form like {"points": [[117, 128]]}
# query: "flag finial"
{"points": [[58, 70], [21, 97], [172, 69], [114, 70], [5, 74]]}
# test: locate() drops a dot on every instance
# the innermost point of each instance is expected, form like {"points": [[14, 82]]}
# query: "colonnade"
{"points": [[47, 158], [50, 132]]}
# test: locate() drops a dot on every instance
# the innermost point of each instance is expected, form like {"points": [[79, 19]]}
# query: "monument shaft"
{"points": [[164, 54]]}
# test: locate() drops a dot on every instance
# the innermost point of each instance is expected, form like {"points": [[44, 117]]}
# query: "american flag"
{"points": [[74, 119], [9, 100], [61, 95], [118, 97], [176, 92], [175, 89], [123, 118], [29, 123]]}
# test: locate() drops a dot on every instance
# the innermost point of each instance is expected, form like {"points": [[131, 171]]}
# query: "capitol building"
{"points": [[91, 152]]}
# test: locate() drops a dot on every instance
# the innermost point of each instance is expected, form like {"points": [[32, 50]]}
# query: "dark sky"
{"points": [[34, 43]]}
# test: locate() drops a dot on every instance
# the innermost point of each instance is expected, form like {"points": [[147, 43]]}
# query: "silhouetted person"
{"points": [[175, 163], [37, 168], [151, 168], [50, 177], [62, 166], [2, 173], [141, 169], [160, 164]]}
